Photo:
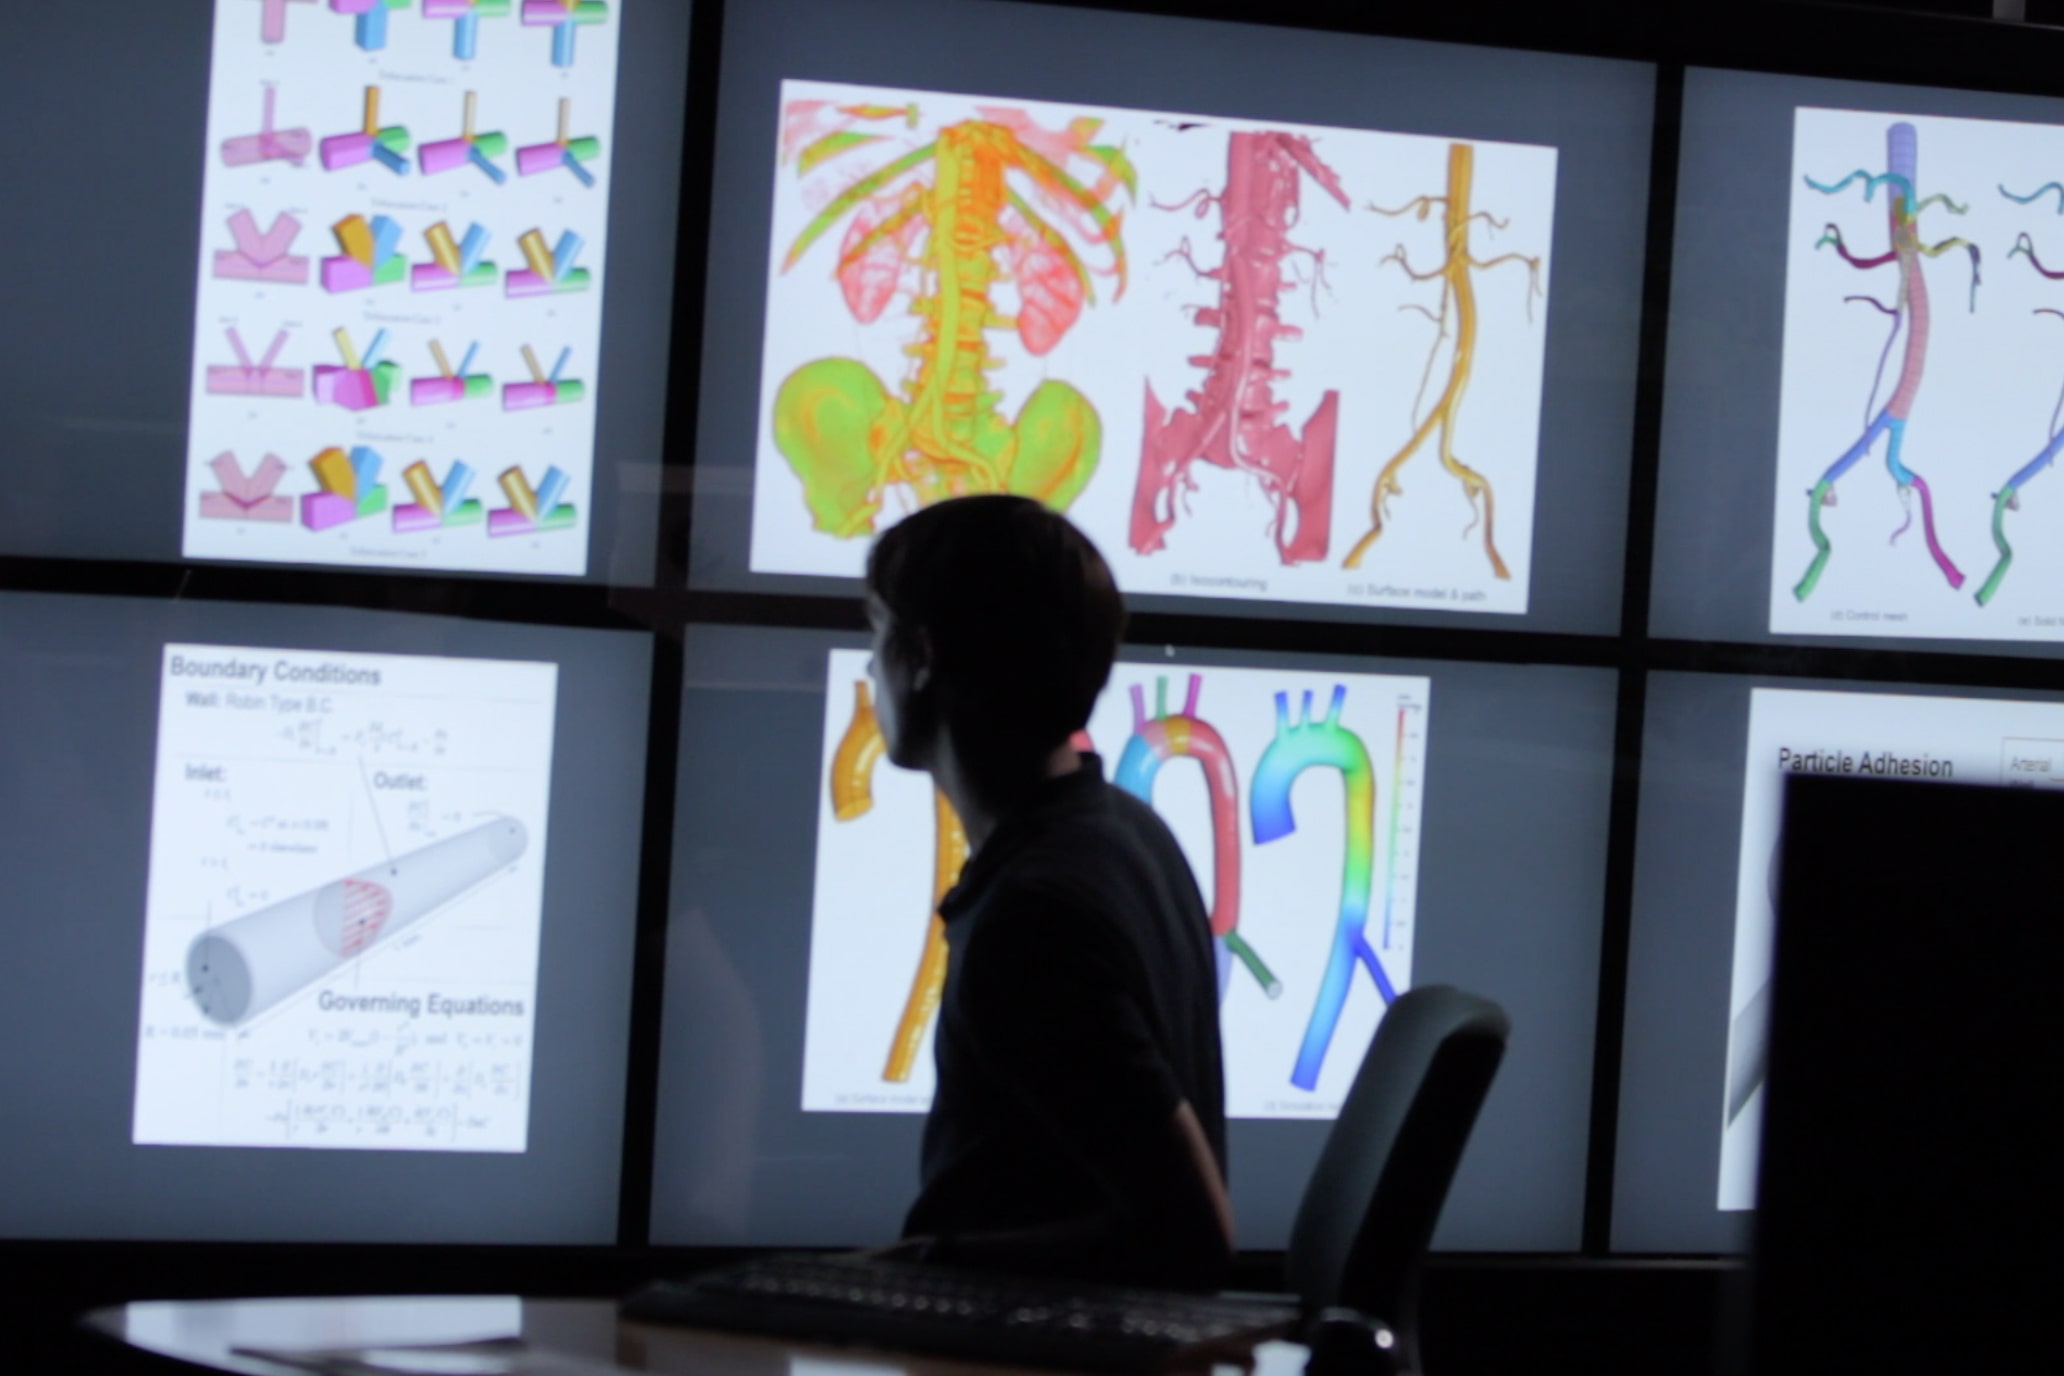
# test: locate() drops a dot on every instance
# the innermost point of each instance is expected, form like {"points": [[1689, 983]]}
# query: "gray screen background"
{"points": [[1680, 957], [1598, 113], [1511, 891], [95, 364], [79, 683], [1726, 346]]}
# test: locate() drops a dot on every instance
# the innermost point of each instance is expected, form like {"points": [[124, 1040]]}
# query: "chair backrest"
{"points": [[1377, 1191]]}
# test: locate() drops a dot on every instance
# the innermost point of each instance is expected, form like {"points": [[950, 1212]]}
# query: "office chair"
{"points": [[1374, 1197]]}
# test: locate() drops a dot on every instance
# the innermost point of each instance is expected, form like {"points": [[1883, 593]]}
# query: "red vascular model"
{"points": [[1235, 421]]}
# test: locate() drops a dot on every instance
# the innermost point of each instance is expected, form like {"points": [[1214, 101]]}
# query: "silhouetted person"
{"points": [[1079, 1122]]}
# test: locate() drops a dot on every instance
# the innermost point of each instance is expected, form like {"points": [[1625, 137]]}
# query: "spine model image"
{"points": [[1234, 421], [1298, 746], [2008, 498], [1909, 313], [1458, 305], [989, 202], [1172, 735], [244, 967], [860, 749]]}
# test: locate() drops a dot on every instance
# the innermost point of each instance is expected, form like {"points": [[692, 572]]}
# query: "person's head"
{"points": [[996, 622]]}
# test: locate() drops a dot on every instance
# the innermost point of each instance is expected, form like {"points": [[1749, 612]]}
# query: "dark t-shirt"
{"points": [[1080, 1009]]}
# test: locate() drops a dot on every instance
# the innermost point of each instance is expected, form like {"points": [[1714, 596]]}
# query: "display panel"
{"points": [[1299, 997], [784, 991], [363, 886], [346, 853], [1865, 366], [1714, 759], [1202, 410], [405, 303], [1363, 343]]}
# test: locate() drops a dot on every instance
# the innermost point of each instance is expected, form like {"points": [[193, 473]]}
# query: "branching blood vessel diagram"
{"points": [[1458, 296], [2008, 498], [989, 201], [1298, 746], [1234, 421], [1909, 312], [860, 749], [1166, 736]]}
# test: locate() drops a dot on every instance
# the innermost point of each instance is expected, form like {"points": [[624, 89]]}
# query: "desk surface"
{"points": [[584, 1335]]}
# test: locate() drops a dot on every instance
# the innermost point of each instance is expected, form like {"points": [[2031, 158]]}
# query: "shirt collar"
{"points": [[1060, 794]]}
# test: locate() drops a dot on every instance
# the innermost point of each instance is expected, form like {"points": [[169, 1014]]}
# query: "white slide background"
{"points": [[873, 886], [1961, 740], [1986, 402], [266, 790], [320, 75], [1361, 338]]}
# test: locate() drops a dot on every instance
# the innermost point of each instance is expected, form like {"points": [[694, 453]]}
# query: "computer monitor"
{"points": [[1908, 1211], [325, 922], [1291, 323], [362, 286], [1422, 822]]}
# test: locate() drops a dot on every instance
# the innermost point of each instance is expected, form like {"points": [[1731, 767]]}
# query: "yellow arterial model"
{"points": [[852, 795], [1456, 288]]}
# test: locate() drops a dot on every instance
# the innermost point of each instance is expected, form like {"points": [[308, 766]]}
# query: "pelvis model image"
{"points": [[989, 207]]}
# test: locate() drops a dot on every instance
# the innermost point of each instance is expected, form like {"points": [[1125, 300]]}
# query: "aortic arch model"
{"points": [[952, 210], [1166, 736], [1903, 207], [1234, 421], [245, 966], [1298, 746], [1458, 302], [852, 795], [2008, 498]]}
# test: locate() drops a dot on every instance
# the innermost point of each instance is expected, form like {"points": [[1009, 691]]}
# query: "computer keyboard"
{"points": [[970, 1315]]}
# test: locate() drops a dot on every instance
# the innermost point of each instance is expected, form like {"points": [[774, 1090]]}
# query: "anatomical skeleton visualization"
{"points": [[1291, 939], [1189, 333], [1944, 326], [345, 901]]}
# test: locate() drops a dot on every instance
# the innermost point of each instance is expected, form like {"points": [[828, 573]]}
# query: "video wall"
{"points": [[454, 604]]}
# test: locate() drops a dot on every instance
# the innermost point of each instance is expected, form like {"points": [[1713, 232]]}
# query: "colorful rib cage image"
{"points": [[2008, 498], [1234, 420], [388, 146], [1165, 736], [246, 496], [470, 148], [531, 509], [268, 144], [369, 28], [350, 487], [563, 18], [1456, 275], [466, 16], [272, 19], [451, 384], [550, 268], [1326, 744], [1909, 314], [564, 150], [370, 257], [860, 749], [989, 202], [543, 389], [454, 262], [436, 504], [362, 381]]}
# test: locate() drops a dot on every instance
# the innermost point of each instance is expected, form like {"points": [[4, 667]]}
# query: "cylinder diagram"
{"points": [[242, 968]]}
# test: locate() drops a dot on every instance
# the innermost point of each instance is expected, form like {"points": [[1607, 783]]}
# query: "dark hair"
{"points": [[1020, 610]]}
